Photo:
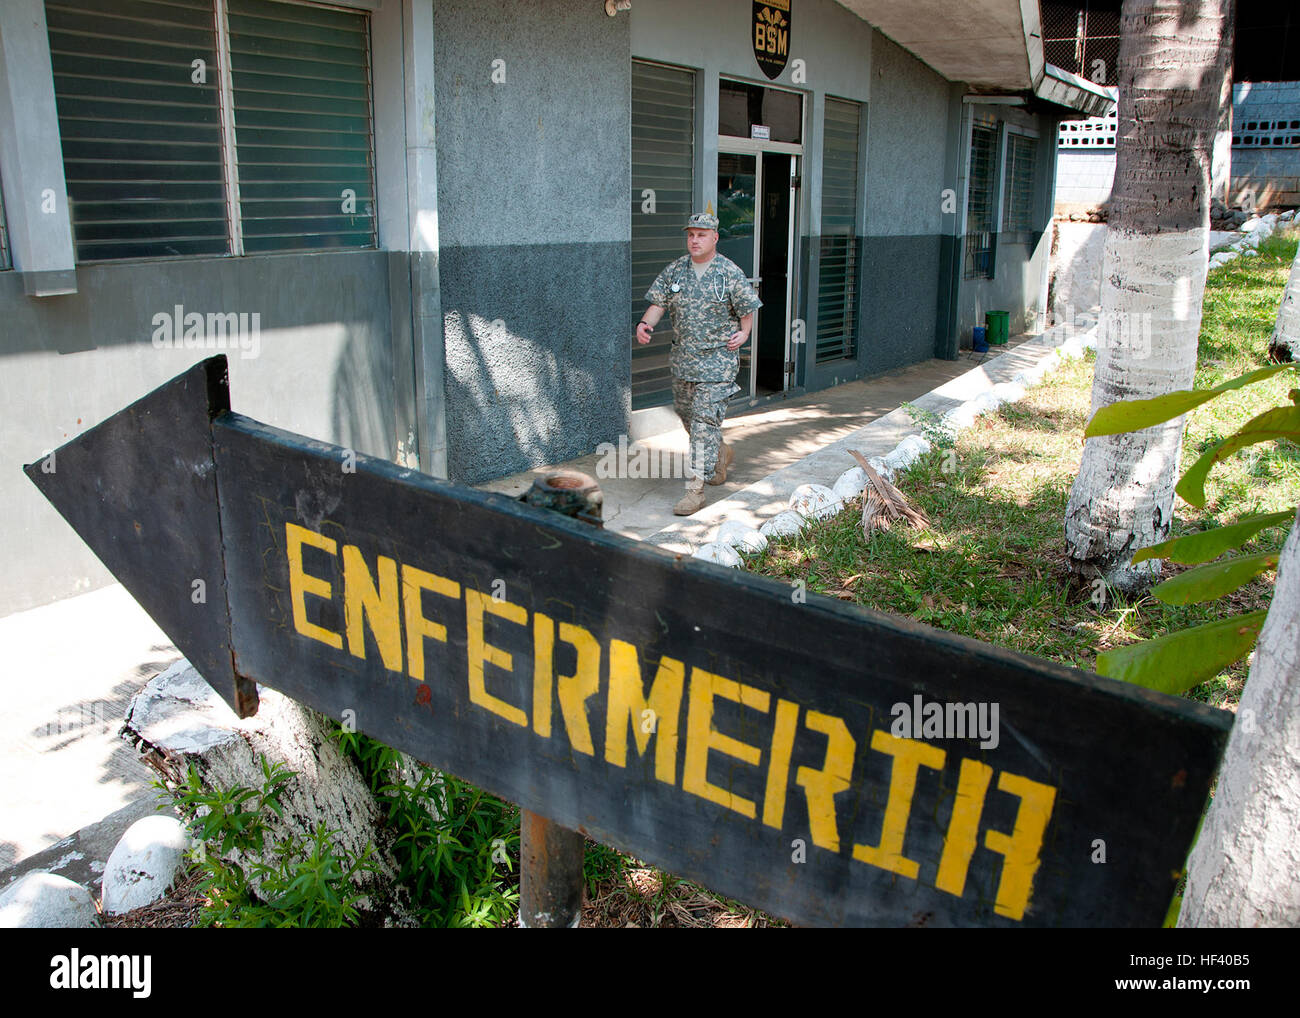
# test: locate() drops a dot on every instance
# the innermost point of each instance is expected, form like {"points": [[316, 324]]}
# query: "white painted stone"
{"points": [[1251, 224], [1250, 254], [722, 554], [960, 418], [878, 464], [46, 901], [1010, 392], [1075, 345], [850, 483], [815, 501], [735, 534], [910, 449], [144, 864], [784, 524], [1220, 239]]}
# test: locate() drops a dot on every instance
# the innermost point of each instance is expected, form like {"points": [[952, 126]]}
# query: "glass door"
{"points": [[758, 193], [738, 189]]}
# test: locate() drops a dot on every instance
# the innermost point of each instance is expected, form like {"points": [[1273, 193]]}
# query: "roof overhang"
{"points": [[993, 46], [1077, 94]]}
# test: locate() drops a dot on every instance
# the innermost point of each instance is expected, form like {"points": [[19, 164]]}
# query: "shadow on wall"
{"points": [[514, 403]]}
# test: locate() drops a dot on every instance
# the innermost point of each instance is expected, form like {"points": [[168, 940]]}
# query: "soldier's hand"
{"points": [[643, 337], [737, 340]]}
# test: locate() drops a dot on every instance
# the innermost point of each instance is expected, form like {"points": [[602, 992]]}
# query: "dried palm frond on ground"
{"points": [[882, 503]]}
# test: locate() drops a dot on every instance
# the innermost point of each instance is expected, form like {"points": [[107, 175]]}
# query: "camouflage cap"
{"points": [[701, 221]]}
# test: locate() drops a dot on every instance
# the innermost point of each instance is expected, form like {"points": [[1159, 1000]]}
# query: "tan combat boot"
{"points": [[725, 455], [692, 501]]}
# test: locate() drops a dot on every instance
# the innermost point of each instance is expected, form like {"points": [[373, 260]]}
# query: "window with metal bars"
{"points": [[1018, 188], [837, 281], [200, 127], [980, 195]]}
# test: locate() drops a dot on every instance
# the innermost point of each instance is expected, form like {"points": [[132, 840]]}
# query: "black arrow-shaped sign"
{"points": [[828, 764]]}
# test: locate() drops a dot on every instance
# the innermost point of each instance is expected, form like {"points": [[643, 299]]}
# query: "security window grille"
{"points": [[141, 138], [1017, 202], [663, 183], [151, 172], [301, 83], [837, 283], [979, 202]]}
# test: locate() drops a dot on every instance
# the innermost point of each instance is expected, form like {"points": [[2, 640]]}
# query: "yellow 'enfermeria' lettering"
{"points": [[414, 583], [300, 584], [963, 826], [543, 655], [701, 736], [821, 786], [778, 765], [909, 756], [575, 690], [362, 600], [628, 703], [1021, 847], [480, 651]]}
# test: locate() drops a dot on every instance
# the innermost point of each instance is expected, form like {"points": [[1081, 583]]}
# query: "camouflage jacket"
{"points": [[705, 312]]}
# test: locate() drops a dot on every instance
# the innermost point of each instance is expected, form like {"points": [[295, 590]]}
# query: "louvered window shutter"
{"points": [[663, 160], [301, 83], [141, 136], [837, 282]]}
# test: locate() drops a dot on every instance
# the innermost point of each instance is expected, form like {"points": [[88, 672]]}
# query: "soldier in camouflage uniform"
{"points": [[712, 306]]}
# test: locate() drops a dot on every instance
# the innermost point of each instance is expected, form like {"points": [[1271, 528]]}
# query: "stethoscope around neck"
{"points": [[716, 288]]}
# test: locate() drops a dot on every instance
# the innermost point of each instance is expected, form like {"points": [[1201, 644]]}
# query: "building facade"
{"points": [[422, 229]]}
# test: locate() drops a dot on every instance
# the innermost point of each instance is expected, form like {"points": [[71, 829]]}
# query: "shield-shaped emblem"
{"points": [[772, 35]]}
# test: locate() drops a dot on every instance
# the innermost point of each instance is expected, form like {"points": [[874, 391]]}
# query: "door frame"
{"points": [[747, 146]]}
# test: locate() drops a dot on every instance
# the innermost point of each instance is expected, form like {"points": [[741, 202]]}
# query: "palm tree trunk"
{"points": [[1285, 345], [1242, 871], [1173, 78]]}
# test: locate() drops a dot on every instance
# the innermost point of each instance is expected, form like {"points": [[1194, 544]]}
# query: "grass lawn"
{"points": [[992, 566]]}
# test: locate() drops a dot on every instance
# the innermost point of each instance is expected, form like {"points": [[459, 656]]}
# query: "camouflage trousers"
{"points": [[702, 406]]}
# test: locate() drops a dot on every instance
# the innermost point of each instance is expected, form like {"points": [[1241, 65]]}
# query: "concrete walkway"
{"points": [[73, 666], [783, 442]]}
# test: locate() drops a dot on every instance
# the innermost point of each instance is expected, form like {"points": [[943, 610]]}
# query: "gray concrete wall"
{"points": [[906, 147], [535, 230], [1267, 178], [1085, 177], [323, 368]]}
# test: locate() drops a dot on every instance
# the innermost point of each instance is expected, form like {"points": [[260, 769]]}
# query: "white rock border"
{"points": [[1254, 231]]}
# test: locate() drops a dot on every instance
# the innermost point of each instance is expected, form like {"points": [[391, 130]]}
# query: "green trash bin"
{"points": [[999, 326]]}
